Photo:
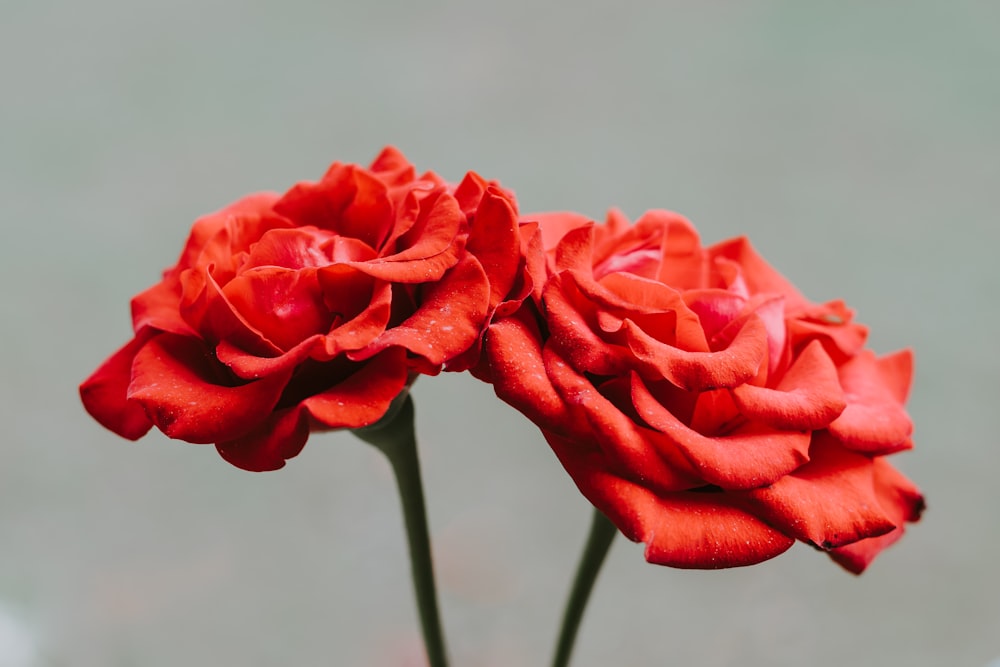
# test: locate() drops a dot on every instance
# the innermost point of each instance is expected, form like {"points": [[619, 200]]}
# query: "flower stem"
{"points": [[394, 435], [602, 531]]}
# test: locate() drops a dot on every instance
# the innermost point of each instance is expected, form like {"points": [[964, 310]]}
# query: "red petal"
{"points": [[293, 249], [748, 458], [251, 367], [831, 501], [208, 310], [831, 324], [495, 242], [686, 530], [571, 318], [185, 392], [393, 167], [320, 204], [104, 393], [638, 249], [159, 308], [363, 397], [344, 285], [902, 502], [369, 216], [514, 349], [808, 397], [448, 321], [429, 248], [698, 371], [759, 276], [575, 251], [632, 450], [874, 421], [286, 306], [896, 370], [269, 445], [213, 236], [555, 225]]}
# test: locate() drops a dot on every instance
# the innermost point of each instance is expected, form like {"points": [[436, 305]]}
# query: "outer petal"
{"points": [[187, 395], [494, 240], [267, 447], [104, 394], [829, 502], [874, 421], [686, 530], [902, 502], [157, 308], [514, 350]]}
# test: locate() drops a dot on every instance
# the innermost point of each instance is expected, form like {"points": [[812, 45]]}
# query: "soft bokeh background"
{"points": [[856, 143]]}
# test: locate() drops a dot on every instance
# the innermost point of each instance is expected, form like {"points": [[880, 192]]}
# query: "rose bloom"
{"points": [[699, 400], [311, 310]]}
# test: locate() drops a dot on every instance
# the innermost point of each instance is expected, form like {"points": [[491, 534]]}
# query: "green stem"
{"points": [[394, 435], [602, 531]]}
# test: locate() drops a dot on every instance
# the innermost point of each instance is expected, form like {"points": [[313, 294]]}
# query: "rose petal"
{"points": [[553, 227], [830, 323], [451, 315], [363, 397], [393, 167], [513, 348], [759, 276], [638, 249], [430, 247], [494, 240], [699, 371], [285, 306], [874, 421], [685, 530], [319, 204], [268, 446], [346, 290], [206, 308], [747, 458], [829, 502], [633, 451], [104, 394], [186, 395], [570, 317], [216, 232], [896, 370], [901, 501], [158, 308], [251, 367], [292, 249], [808, 397], [369, 216]]}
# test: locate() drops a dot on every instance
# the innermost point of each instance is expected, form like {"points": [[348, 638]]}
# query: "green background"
{"points": [[857, 144]]}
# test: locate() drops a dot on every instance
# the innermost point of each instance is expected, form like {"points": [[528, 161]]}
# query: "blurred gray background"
{"points": [[856, 143]]}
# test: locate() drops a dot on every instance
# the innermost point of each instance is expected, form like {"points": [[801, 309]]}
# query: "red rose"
{"points": [[311, 310], [700, 401]]}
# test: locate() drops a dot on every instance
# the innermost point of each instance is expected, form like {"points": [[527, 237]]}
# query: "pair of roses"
{"points": [[694, 395]]}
